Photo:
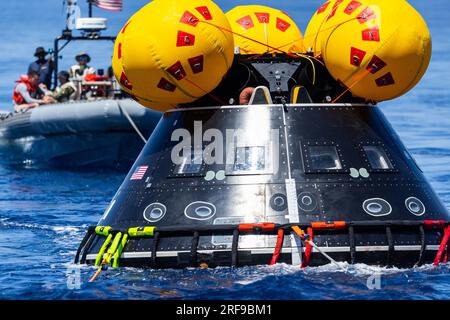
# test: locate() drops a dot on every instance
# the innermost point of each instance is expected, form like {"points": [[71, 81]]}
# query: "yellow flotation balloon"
{"points": [[271, 28], [313, 34], [380, 49], [172, 52]]}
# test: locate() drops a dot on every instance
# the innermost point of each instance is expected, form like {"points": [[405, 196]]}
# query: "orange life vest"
{"points": [[17, 97]]}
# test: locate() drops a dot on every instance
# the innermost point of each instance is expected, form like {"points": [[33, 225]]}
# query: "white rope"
{"points": [[326, 255], [127, 115]]}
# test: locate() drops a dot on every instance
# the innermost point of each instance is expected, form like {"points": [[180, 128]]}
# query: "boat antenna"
{"points": [[90, 8]]}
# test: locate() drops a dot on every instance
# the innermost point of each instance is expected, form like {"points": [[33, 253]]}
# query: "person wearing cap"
{"points": [[67, 90], [82, 69], [43, 66]]}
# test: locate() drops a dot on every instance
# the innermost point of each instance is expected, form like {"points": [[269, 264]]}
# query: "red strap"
{"points": [[308, 249], [429, 224], [248, 227], [442, 247], [279, 245], [329, 225]]}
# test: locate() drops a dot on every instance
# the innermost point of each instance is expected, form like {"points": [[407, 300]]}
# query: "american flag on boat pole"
{"points": [[110, 5]]}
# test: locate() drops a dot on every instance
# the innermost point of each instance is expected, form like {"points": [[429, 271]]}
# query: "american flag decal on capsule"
{"points": [[139, 173]]}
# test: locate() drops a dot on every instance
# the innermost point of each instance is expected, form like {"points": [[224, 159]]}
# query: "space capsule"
{"points": [[299, 168]]}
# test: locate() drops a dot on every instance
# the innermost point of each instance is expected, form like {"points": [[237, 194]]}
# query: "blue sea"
{"points": [[44, 212]]}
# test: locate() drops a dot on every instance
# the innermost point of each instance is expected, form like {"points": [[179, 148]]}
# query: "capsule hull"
{"points": [[339, 171]]}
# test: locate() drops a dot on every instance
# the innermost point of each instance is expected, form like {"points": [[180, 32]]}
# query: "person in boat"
{"points": [[43, 66], [82, 69], [26, 92], [67, 90]]}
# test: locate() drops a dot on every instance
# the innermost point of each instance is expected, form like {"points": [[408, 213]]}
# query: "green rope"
{"points": [[113, 248], [98, 261], [119, 251]]}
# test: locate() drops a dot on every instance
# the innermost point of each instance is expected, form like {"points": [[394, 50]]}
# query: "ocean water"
{"points": [[44, 212]]}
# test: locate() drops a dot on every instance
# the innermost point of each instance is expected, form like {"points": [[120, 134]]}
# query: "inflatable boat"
{"points": [[101, 133], [288, 159]]}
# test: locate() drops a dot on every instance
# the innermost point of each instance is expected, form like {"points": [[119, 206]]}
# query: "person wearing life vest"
{"points": [[25, 92], [82, 69], [67, 90]]}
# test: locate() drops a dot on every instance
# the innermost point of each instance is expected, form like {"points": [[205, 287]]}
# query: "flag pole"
{"points": [[90, 8]]}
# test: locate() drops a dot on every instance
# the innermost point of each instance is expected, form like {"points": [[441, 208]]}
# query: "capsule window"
{"points": [[377, 158], [249, 159], [190, 165], [324, 158]]}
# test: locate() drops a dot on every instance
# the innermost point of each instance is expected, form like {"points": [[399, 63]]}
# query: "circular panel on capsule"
{"points": [[210, 175], [220, 175], [154, 212], [307, 201], [200, 210], [278, 202], [377, 207], [415, 206]]}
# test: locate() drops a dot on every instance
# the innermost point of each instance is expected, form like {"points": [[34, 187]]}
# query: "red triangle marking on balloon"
{"points": [[119, 51], [385, 80], [337, 3], [177, 71], [332, 13], [375, 65], [125, 82], [352, 7], [164, 84], [189, 18], [125, 26], [356, 56], [371, 34], [366, 15], [282, 24], [204, 11], [246, 22], [263, 17], [196, 64], [323, 7], [185, 39]]}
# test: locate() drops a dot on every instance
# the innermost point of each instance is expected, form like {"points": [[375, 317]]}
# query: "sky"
{"points": [[27, 24]]}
